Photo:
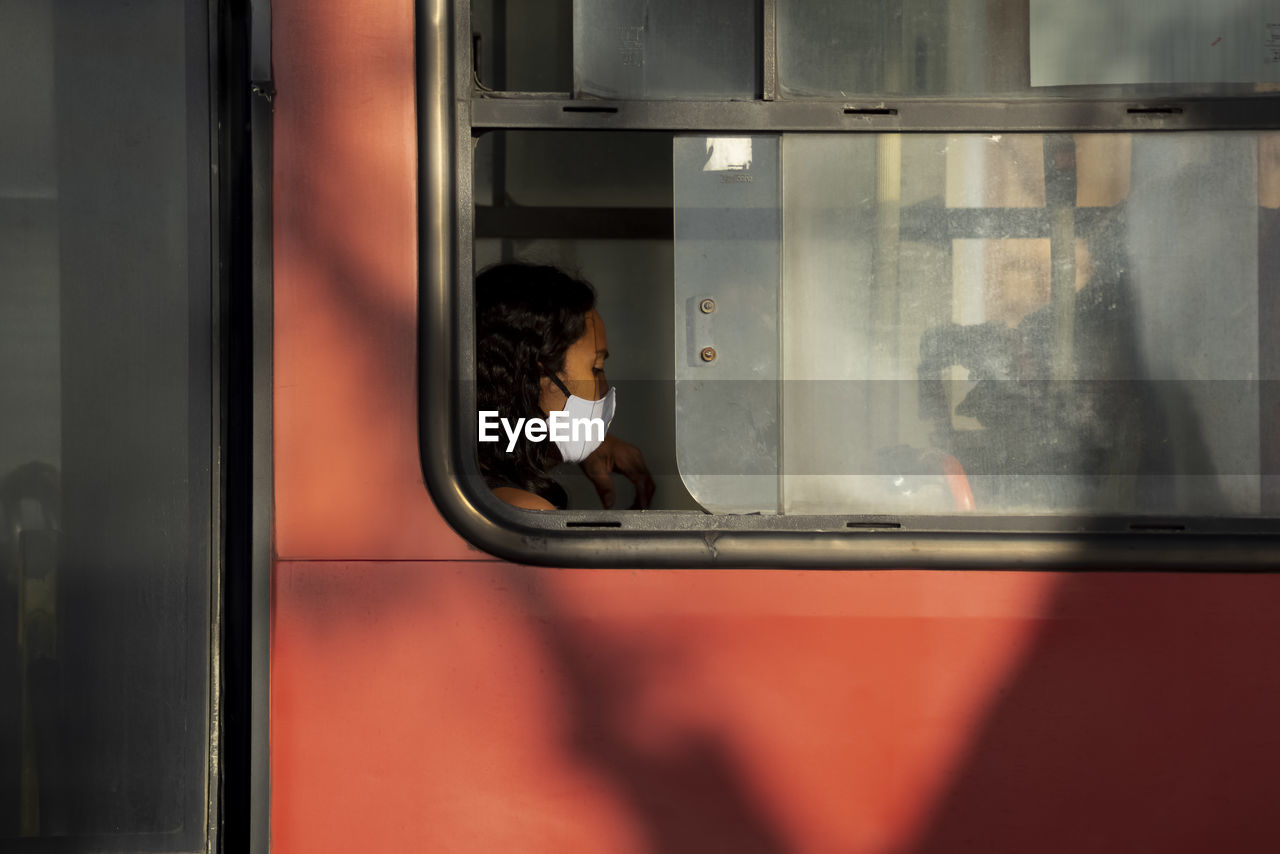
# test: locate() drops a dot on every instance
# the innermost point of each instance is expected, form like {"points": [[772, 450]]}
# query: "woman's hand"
{"points": [[626, 459]]}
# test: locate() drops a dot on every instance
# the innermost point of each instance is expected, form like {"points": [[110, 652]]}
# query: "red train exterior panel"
{"points": [[427, 697]]}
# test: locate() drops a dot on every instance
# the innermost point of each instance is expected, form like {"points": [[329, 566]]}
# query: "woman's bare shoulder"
{"points": [[522, 499]]}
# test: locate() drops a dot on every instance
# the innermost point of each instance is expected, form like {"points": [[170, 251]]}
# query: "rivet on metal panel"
{"points": [[708, 354], [708, 305]]}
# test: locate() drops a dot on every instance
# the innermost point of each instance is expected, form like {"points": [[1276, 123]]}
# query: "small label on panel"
{"points": [[1100, 42], [728, 154]]}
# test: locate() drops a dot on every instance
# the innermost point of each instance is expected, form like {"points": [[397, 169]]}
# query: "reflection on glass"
{"points": [[977, 48], [1015, 323], [1135, 41], [665, 49], [727, 251], [105, 431]]}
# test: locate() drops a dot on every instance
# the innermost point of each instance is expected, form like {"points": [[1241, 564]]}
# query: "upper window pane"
{"points": [[666, 49], [1026, 48], [1011, 324]]}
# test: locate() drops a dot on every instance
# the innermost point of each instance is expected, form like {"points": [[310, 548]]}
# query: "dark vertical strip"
{"points": [[241, 501], [205, 397], [498, 50], [263, 486]]}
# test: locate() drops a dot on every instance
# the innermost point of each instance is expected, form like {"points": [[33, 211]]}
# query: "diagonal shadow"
{"points": [[690, 796], [1143, 719]]}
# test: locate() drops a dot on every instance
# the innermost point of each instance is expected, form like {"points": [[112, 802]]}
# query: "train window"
{"points": [[599, 205], [941, 324], [107, 471], [878, 307]]}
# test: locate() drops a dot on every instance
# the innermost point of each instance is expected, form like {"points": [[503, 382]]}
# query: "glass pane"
{"points": [[575, 169], [1024, 48], [597, 205], [1015, 323], [105, 439], [524, 46], [728, 245], [666, 49]]}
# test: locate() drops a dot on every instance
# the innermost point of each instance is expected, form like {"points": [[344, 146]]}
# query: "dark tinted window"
{"points": [[105, 441]]}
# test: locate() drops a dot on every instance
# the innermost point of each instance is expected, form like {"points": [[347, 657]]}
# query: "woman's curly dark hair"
{"points": [[527, 316]]}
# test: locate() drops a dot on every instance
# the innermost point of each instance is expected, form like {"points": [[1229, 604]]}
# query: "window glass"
{"points": [[727, 321], [666, 48], [105, 438], [523, 46], [1023, 48], [1000, 323], [597, 205]]}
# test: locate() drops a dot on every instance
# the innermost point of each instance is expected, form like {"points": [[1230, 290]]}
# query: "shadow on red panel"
{"points": [[1144, 719]]}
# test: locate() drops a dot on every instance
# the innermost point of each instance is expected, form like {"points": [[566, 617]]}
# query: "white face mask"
{"points": [[577, 450]]}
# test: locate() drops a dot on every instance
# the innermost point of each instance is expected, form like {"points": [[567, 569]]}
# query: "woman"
{"points": [[540, 349]]}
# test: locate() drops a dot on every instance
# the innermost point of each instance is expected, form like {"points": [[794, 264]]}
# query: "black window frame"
{"points": [[453, 110]]}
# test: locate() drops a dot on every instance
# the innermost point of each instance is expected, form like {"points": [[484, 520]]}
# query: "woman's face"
{"points": [[583, 372]]}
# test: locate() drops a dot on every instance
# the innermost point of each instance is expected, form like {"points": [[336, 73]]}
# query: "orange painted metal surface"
{"points": [[422, 706], [348, 480], [426, 697]]}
